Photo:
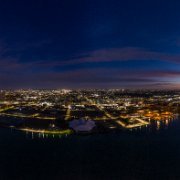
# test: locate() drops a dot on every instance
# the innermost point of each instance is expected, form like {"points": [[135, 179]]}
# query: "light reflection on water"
{"points": [[32, 135], [154, 126], [140, 153]]}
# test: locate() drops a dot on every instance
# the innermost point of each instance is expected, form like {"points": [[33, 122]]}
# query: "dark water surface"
{"points": [[146, 153]]}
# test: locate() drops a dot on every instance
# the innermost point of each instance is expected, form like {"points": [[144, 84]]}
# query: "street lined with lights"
{"points": [[45, 111]]}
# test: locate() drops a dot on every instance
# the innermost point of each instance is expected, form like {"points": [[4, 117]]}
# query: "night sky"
{"points": [[89, 44]]}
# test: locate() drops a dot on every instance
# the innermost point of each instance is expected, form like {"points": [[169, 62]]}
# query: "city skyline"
{"points": [[83, 44]]}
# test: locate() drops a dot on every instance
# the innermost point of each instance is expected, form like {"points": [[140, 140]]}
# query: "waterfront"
{"points": [[52, 111], [146, 153]]}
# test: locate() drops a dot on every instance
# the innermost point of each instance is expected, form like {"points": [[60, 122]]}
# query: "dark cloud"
{"points": [[123, 54], [95, 78], [89, 44], [98, 56]]}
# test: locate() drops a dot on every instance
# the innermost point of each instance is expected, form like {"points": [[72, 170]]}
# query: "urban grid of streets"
{"points": [[49, 111]]}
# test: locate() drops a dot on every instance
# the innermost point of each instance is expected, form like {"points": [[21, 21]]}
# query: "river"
{"points": [[144, 153]]}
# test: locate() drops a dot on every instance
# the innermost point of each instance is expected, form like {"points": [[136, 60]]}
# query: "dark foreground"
{"points": [[140, 154]]}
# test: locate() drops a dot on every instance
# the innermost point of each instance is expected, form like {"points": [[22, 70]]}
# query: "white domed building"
{"points": [[82, 125]]}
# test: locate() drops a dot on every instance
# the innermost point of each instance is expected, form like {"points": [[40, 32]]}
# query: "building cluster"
{"points": [[53, 110]]}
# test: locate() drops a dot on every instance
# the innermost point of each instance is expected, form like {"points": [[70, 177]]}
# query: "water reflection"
{"points": [[155, 126], [158, 125], [32, 135]]}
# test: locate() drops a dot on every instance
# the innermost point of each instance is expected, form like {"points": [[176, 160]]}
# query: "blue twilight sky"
{"points": [[89, 44]]}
